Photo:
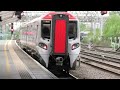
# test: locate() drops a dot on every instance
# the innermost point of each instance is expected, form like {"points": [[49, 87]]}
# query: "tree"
{"points": [[82, 27], [114, 12], [112, 26]]}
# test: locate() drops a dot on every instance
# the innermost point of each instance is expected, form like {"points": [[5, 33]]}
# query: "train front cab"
{"points": [[72, 59]]}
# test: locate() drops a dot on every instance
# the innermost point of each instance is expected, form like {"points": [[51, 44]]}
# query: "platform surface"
{"points": [[16, 64]]}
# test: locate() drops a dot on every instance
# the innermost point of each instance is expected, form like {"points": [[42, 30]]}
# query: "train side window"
{"points": [[72, 31], [36, 31], [46, 28]]}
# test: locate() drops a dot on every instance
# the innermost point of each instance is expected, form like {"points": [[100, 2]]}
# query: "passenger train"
{"points": [[54, 38]]}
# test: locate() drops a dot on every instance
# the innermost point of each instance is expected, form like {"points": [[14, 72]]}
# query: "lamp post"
{"points": [[101, 29]]}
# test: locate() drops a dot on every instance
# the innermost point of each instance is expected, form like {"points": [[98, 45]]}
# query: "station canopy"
{"points": [[7, 17], [10, 16]]}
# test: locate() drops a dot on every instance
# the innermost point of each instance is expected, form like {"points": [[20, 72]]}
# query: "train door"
{"points": [[60, 34], [59, 42]]}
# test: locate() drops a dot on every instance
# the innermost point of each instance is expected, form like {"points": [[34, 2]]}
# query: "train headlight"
{"points": [[43, 45], [76, 45]]}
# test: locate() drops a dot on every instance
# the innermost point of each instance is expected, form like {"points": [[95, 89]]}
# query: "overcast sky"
{"points": [[80, 13]]}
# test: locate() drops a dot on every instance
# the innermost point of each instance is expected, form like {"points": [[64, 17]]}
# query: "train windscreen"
{"points": [[45, 29], [72, 31]]}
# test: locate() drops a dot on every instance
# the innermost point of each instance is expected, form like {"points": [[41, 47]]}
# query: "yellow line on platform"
{"points": [[6, 56]]}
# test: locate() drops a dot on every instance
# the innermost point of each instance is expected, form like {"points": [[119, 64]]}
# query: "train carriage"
{"points": [[54, 38]]}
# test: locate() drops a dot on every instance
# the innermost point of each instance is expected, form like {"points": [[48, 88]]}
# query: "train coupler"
{"points": [[59, 61]]}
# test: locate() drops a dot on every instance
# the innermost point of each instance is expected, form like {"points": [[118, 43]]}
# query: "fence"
{"points": [[115, 42]]}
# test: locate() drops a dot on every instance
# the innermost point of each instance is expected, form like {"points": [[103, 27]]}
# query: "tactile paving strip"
{"points": [[22, 69], [37, 71]]}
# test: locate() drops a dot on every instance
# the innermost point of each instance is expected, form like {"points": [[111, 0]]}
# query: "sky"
{"points": [[80, 13]]}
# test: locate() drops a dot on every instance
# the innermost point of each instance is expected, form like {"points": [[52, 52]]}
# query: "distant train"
{"points": [[54, 38]]}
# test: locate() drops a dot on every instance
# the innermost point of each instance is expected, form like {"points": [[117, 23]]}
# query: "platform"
{"points": [[16, 64]]}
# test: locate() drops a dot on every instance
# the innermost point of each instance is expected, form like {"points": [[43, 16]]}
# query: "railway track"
{"points": [[107, 64], [109, 55], [62, 74], [96, 48], [101, 56], [111, 52]]}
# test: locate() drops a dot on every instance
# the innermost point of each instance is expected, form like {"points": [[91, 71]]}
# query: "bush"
{"points": [[112, 26]]}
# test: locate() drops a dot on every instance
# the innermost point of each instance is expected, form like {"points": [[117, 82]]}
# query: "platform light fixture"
{"points": [[18, 13], [103, 12]]}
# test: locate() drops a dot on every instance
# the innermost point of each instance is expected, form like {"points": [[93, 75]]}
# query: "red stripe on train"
{"points": [[60, 36]]}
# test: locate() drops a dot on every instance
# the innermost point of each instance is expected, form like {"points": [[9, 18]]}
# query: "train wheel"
{"points": [[67, 65], [76, 64], [24, 49]]}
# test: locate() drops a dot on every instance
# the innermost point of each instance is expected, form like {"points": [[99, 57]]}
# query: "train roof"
{"points": [[48, 16]]}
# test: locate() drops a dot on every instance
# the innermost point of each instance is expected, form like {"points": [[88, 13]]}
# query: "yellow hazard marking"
{"points": [[6, 56]]}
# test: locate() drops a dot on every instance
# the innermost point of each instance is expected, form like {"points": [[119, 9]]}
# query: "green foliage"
{"points": [[16, 35], [96, 39], [88, 38], [112, 26], [82, 27], [114, 12]]}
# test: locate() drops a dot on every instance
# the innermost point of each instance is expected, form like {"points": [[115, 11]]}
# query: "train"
{"points": [[54, 38]]}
